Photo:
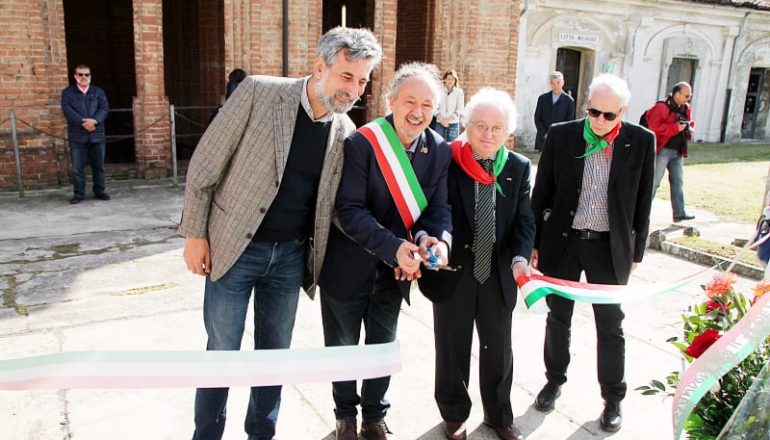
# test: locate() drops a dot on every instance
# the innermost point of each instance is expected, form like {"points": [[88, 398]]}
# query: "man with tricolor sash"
{"points": [[592, 200], [392, 214]]}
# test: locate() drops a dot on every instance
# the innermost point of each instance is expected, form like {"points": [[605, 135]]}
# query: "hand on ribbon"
{"points": [[430, 247]]}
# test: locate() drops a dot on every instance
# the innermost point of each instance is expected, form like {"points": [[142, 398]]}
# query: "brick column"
{"points": [[151, 124], [33, 72], [385, 19]]}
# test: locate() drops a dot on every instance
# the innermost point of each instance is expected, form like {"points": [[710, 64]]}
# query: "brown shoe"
{"points": [[510, 432], [455, 431], [346, 429], [375, 430]]}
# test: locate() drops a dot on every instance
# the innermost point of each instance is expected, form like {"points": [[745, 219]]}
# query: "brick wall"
{"points": [[478, 38], [32, 74]]}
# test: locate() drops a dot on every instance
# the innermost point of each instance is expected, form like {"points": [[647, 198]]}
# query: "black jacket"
{"points": [[373, 229], [514, 230], [547, 113], [558, 185]]}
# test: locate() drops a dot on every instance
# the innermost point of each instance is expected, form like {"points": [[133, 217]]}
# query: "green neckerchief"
{"points": [[595, 143], [497, 167]]}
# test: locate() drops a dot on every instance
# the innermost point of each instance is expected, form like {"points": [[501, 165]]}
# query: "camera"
{"points": [[682, 119]]}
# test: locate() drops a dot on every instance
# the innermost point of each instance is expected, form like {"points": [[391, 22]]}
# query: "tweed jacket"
{"points": [[237, 168]]}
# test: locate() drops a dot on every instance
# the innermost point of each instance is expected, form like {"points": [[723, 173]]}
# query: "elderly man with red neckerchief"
{"points": [[592, 200], [493, 230]]}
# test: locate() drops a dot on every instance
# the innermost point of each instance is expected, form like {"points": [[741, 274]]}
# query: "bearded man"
{"points": [[258, 203]]}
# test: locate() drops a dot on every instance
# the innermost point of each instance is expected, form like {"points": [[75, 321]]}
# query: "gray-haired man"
{"points": [[260, 189], [376, 234], [552, 107]]}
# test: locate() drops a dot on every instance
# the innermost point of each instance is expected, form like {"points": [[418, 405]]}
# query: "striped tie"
{"points": [[484, 234]]}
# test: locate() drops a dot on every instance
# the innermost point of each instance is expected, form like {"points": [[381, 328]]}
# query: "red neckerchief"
{"points": [[610, 138], [463, 156]]}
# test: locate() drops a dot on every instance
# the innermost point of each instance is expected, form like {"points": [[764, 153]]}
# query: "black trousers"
{"points": [[378, 311], [453, 322], [592, 257]]}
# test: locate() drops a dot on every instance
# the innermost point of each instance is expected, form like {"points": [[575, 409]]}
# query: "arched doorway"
{"points": [[577, 65], [194, 67], [100, 34], [354, 14]]}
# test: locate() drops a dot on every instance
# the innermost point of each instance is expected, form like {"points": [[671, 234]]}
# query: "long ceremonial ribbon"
{"points": [[535, 288], [727, 352], [198, 369]]}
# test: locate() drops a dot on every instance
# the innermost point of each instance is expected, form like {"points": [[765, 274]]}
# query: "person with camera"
{"points": [[671, 121]]}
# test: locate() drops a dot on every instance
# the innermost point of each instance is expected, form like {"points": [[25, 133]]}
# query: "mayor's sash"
{"points": [[396, 169]]}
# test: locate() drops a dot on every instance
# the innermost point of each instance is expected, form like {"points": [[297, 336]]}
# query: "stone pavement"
{"points": [[109, 276]]}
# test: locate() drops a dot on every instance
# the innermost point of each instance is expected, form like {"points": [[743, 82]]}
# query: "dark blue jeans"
{"points": [[378, 311], [274, 272], [448, 133], [81, 154]]}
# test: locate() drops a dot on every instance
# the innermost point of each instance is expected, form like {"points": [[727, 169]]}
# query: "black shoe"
{"points": [[346, 429], [75, 200], [684, 217], [546, 398], [102, 196], [612, 417]]}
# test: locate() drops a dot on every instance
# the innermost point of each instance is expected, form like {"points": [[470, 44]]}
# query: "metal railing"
{"points": [[174, 113]]}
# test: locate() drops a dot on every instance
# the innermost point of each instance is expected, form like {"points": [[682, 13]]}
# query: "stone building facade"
{"points": [[722, 47], [151, 54]]}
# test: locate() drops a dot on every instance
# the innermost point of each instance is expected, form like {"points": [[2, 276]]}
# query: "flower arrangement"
{"points": [[703, 324]]}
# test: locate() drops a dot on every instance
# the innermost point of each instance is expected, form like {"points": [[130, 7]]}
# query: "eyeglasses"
{"points": [[608, 116], [85, 75], [481, 126]]}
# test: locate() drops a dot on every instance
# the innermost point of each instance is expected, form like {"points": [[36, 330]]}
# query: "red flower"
{"points": [[721, 283], [702, 342], [714, 305]]}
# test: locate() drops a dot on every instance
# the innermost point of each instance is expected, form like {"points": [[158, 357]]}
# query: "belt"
{"points": [[587, 234]]}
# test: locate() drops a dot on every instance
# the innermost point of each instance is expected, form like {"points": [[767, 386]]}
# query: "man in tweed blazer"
{"points": [[259, 197]]}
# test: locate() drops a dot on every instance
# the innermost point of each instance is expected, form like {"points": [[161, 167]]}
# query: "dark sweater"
{"points": [[292, 212]]}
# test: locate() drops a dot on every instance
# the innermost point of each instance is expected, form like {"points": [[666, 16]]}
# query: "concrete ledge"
{"points": [[707, 259]]}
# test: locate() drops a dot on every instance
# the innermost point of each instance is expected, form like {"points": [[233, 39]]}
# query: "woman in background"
{"points": [[450, 108]]}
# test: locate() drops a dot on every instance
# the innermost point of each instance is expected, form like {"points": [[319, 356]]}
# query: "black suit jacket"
{"points": [[369, 229], [629, 193], [547, 113], [514, 230]]}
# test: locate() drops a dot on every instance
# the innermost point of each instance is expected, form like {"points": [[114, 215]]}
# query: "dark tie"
{"points": [[484, 233], [410, 154]]}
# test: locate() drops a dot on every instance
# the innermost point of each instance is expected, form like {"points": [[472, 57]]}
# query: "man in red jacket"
{"points": [[671, 121]]}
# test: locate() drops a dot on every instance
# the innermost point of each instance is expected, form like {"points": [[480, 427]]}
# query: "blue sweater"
{"points": [[77, 107]]}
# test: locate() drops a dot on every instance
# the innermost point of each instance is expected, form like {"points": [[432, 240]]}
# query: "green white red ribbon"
{"points": [[198, 369], [396, 169], [535, 288], [727, 352]]}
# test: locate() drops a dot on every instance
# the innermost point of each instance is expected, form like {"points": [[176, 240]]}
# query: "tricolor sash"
{"points": [[396, 169]]}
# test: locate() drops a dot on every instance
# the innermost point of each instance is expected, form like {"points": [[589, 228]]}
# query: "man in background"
{"points": [[671, 121], [552, 107], [85, 106]]}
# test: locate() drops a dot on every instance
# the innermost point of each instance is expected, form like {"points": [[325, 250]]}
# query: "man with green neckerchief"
{"points": [[592, 200]]}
